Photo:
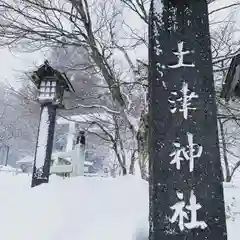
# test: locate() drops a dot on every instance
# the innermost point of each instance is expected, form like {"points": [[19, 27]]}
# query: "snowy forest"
{"points": [[103, 47], [103, 50]]}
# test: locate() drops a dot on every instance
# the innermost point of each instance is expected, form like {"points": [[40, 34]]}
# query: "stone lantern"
{"points": [[51, 85]]}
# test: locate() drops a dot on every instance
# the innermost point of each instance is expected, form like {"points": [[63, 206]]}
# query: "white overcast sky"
{"points": [[14, 63]]}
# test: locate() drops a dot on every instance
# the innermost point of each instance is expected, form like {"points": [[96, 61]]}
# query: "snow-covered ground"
{"points": [[232, 205], [84, 208], [73, 209]]}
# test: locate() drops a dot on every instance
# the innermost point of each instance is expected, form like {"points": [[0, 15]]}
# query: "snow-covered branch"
{"points": [[224, 8], [95, 106], [139, 7]]}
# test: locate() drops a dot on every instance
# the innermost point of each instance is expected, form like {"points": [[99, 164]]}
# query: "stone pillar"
{"points": [[78, 157], [186, 193], [71, 136]]}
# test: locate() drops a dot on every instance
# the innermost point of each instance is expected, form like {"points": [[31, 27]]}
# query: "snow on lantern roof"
{"points": [[47, 71], [231, 85]]}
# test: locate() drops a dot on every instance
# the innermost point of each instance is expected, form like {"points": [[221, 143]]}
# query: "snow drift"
{"points": [[73, 209], [85, 208]]}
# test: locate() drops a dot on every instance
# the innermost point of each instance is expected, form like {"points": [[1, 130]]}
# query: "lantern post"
{"points": [[51, 85]]}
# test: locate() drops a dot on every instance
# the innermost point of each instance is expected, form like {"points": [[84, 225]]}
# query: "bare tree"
{"points": [[109, 131], [115, 45], [229, 128], [225, 45]]}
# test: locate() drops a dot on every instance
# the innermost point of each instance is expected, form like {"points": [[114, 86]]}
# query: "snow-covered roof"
{"points": [[87, 163], [26, 159], [7, 168]]}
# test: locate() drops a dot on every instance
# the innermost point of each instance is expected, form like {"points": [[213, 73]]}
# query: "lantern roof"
{"points": [[231, 85], [46, 71]]}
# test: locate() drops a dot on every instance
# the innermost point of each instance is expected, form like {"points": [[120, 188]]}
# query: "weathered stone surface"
{"points": [[183, 113]]}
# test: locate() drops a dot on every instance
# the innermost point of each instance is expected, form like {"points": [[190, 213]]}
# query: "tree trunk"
{"points": [[120, 161], [227, 169], [142, 142], [124, 170], [132, 164]]}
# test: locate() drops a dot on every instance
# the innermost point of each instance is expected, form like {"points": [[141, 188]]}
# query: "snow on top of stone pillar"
{"points": [[158, 6]]}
